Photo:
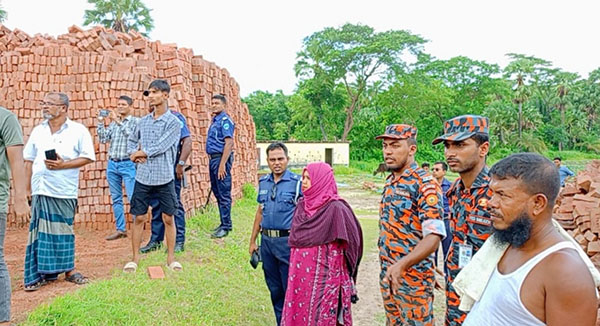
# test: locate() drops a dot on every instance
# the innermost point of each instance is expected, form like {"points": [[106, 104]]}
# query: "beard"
{"points": [[517, 233]]}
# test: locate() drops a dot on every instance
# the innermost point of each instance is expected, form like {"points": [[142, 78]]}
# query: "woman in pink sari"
{"points": [[326, 247]]}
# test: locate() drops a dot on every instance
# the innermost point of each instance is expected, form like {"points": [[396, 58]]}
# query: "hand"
{"points": [[112, 115], [394, 274], [22, 209], [137, 156], [57, 164], [222, 173], [253, 248], [179, 172]]}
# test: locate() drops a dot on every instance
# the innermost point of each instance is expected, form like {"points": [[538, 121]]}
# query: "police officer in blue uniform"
{"points": [[219, 147], [278, 194]]}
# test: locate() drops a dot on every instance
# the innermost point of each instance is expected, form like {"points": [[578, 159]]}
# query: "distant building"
{"points": [[304, 152]]}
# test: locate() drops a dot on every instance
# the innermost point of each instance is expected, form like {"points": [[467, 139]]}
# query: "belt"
{"points": [[213, 156], [119, 160], [275, 233]]}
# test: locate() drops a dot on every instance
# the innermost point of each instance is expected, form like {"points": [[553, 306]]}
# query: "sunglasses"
{"points": [[273, 192]]}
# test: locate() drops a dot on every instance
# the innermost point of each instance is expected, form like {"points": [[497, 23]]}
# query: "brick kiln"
{"points": [[94, 68]]}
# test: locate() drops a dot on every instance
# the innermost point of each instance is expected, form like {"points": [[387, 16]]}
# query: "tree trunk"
{"points": [[323, 132], [562, 123], [520, 118], [349, 119]]}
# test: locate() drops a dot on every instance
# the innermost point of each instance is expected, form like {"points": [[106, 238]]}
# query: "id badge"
{"points": [[465, 252]]}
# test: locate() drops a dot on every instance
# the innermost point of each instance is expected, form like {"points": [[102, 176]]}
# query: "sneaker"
{"points": [[179, 247], [116, 235], [151, 246]]}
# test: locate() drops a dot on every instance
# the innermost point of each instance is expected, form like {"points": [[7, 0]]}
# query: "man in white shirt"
{"points": [[54, 153]]}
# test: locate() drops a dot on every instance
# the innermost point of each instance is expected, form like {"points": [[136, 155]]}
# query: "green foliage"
{"points": [[3, 15], [120, 15], [354, 81], [249, 191]]}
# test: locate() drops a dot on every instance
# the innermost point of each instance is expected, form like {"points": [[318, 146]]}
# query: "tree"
{"points": [[355, 56], [120, 15], [271, 114], [523, 70]]}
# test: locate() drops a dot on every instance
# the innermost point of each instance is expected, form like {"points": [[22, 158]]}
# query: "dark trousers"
{"points": [[275, 254], [158, 226], [446, 242], [222, 190]]}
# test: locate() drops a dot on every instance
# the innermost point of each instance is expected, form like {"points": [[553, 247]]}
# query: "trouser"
{"points": [[118, 173], [4, 276], [275, 254], [158, 226], [222, 189]]}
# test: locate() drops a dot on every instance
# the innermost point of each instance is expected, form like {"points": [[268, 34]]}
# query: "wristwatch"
{"points": [[182, 163]]}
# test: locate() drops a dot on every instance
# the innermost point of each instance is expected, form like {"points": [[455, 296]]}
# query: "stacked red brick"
{"points": [[578, 210], [94, 68]]}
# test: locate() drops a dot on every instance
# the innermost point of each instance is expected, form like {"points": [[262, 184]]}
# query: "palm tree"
{"points": [[120, 15]]}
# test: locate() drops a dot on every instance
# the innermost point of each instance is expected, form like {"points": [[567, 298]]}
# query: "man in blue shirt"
{"points": [[563, 171], [278, 193], [439, 173], [219, 147], [184, 149]]}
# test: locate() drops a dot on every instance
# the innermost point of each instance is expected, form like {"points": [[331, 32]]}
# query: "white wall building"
{"points": [[302, 153]]}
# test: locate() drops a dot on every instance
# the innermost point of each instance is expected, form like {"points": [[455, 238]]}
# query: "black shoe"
{"points": [[216, 229], [221, 233], [151, 246], [179, 247]]}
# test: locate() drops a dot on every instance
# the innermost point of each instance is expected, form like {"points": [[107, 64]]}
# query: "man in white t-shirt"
{"points": [[54, 153]]}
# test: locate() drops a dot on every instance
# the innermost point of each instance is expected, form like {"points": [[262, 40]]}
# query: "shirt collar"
{"points": [[67, 123], [218, 116], [163, 116], [482, 180], [446, 182], [408, 171], [285, 176]]}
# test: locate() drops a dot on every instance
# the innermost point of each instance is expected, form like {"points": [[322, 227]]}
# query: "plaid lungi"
{"points": [[51, 242]]}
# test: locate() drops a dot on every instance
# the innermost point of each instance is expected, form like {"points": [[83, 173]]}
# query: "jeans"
{"points": [[158, 226], [275, 254], [4, 276], [118, 173], [222, 190]]}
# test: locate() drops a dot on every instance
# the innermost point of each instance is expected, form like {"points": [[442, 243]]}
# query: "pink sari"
{"points": [[319, 287]]}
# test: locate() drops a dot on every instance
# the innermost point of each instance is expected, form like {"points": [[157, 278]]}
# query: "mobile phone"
{"points": [[51, 155], [104, 113]]}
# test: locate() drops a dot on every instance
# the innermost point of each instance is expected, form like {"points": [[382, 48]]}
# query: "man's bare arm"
{"points": [[570, 291], [17, 167]]}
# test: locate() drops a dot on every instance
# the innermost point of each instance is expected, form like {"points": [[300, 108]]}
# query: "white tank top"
{"points": [[500, 304]]}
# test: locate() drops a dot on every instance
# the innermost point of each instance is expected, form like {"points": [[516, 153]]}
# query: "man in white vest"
{"points": [[540, 279]]}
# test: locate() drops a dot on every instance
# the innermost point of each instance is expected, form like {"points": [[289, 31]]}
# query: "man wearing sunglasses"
{"points": [[278, 193]]}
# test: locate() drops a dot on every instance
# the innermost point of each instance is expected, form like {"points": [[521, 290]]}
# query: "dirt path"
{"points": [[95, 258]]}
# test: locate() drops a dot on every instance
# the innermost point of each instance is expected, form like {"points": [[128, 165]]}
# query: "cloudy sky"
{"points": [[257, 40]]}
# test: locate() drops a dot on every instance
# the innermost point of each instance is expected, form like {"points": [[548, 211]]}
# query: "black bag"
{"points": [[255, 258]]}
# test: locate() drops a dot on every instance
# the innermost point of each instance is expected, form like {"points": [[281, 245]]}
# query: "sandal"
{"points": [[35, 286], [77, 278], [175, 266], [130, 267]]}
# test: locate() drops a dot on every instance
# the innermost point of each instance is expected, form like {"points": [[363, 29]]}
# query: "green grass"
{"points": [[217, 286]]}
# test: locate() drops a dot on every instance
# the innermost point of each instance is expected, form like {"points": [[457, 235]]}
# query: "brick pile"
{"points": [[94, 67], [578, 210]]}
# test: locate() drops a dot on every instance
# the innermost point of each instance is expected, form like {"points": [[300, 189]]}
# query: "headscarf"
{"points": [[322, 187], [330, 219]]}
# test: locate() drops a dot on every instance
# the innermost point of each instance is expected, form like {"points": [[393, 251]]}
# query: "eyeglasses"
{"points": [[273, 192], [42, 103]]}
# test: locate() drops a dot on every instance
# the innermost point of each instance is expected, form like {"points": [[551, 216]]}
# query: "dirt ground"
{"points": [[95, 258]]}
